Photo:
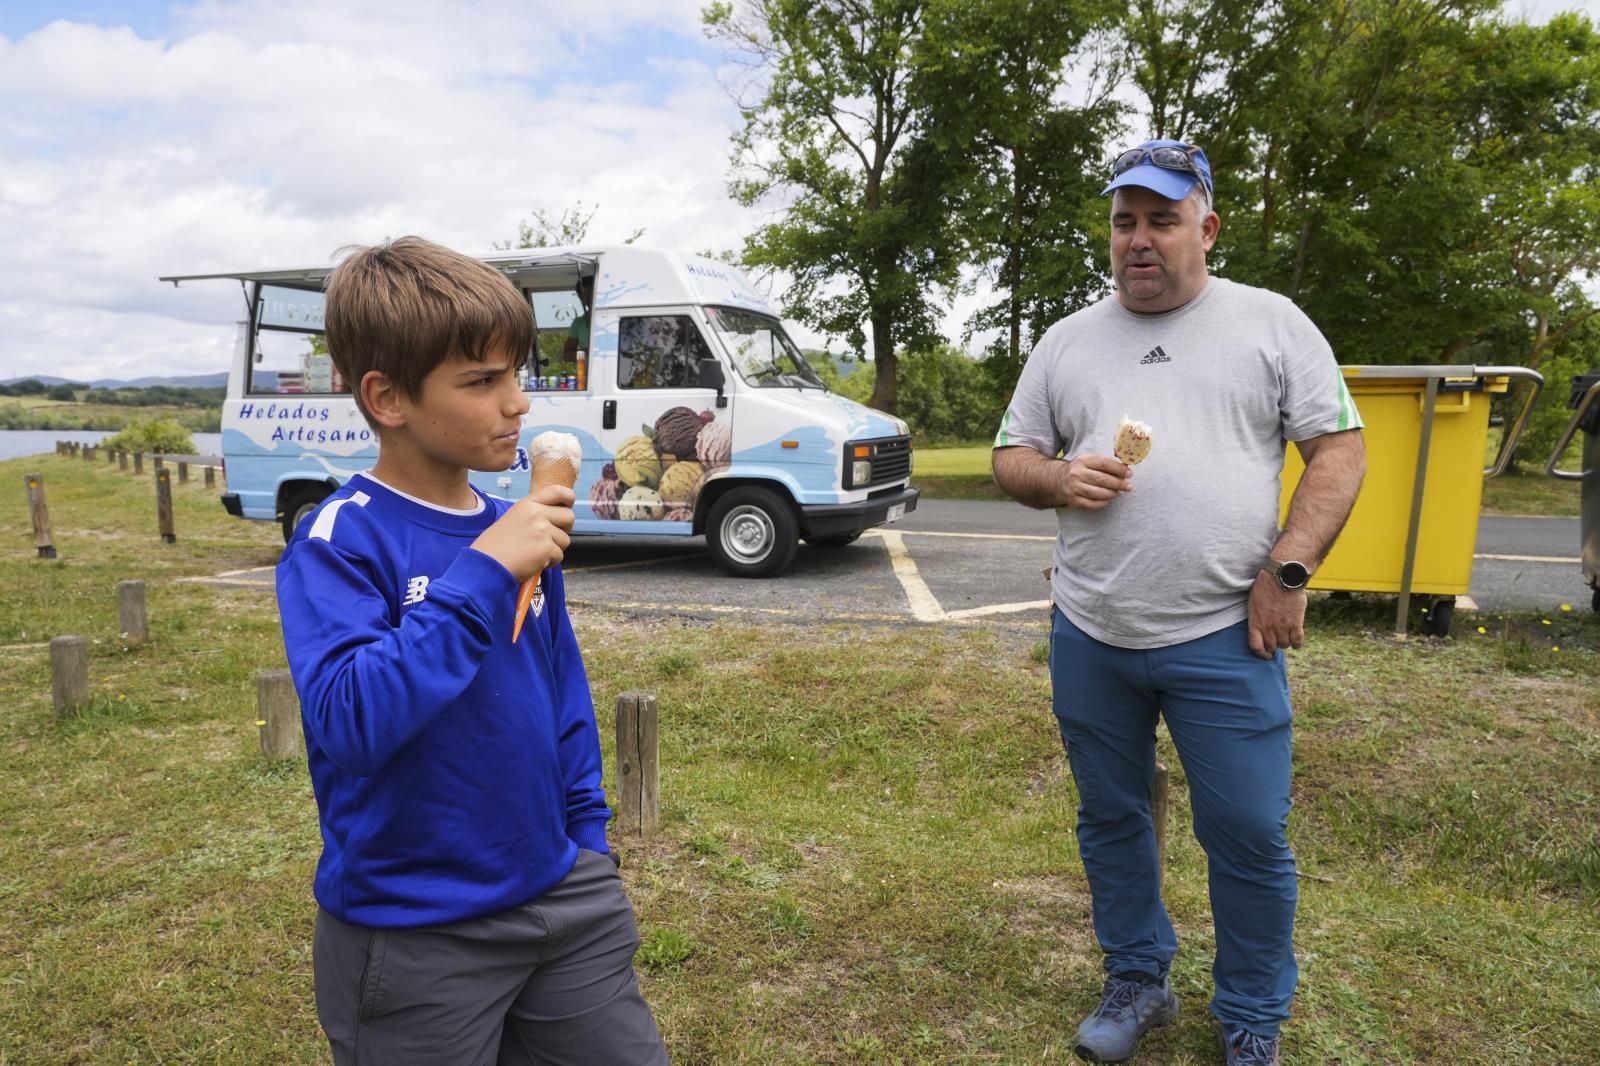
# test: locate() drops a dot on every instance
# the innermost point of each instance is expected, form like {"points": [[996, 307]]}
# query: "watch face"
{"points": [[1293, 575]]}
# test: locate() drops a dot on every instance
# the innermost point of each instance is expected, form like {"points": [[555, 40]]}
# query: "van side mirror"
{"points": [[712, 377]]}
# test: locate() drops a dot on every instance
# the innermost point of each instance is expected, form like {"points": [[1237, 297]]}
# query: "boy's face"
{"points": [[467, 413]]}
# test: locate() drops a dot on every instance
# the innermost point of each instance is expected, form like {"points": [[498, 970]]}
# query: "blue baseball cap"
{"points": [[1171, 174]]}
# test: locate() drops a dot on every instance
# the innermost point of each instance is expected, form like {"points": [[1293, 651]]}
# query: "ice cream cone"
{"points": [[556, 459]]}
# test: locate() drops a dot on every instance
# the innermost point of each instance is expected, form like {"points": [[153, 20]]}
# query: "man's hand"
{"points": [[1277, 616], [533, 535], [1093, 481]]}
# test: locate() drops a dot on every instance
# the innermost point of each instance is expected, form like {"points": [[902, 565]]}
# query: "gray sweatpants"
{"points": [[550, 982]]}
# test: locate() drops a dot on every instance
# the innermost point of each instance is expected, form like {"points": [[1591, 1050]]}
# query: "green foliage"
{"points": [[25, 387], [160, 435], [945, 396], [546, 231], [1022, 162], [1577, 354], [1421, 179], [64, 393], [864, 239], [664, 951], [158, 396]]}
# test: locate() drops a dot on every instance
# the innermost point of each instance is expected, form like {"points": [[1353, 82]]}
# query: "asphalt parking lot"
{"points": [[955, 562]]}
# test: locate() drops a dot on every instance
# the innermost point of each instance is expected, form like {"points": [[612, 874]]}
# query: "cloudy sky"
{"points": [[146, 138]]}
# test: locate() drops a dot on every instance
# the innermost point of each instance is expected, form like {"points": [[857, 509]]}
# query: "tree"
{"points": [[830, 125], [991, 87], [570, 228], [1417, 175]]}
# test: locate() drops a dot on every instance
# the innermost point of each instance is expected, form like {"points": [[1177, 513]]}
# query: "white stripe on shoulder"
{"points": [[322, 529]]}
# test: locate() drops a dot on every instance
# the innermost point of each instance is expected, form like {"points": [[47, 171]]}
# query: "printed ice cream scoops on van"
{"points": [[657, 473]]}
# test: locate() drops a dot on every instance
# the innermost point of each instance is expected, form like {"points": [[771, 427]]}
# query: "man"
{"points": [[1174, 591], [578, 328]]}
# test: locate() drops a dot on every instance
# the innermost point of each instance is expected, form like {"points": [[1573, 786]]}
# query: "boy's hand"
{"points": [[533, 535]]}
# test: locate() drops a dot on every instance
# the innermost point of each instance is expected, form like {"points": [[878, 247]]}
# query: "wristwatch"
{"points": [[1291, 575]]}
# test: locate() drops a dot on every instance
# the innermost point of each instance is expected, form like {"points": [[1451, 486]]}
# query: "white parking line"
{"points": [[924, 607], [1529, 559], [968, 536]]}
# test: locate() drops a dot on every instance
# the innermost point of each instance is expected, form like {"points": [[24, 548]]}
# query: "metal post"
{"points": [[1413, 526]]}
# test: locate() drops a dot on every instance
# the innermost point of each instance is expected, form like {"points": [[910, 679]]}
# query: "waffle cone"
{"points": [[553, 470]]}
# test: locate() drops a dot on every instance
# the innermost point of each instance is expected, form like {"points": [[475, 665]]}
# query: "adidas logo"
{"points": [[1155, 355]]}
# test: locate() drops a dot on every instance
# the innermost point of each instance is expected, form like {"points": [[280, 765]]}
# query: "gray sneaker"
{"points": [[1244, 1048], [1128, 1009]]}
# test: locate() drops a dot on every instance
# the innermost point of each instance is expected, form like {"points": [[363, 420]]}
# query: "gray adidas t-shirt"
{"points": [[1223, 382]]}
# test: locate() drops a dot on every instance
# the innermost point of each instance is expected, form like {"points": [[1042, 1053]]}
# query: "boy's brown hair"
{"points": [[404, 306]]}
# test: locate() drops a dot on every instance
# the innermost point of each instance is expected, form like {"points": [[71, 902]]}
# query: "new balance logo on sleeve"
{"points": [[1155, 355], [416, 591]]}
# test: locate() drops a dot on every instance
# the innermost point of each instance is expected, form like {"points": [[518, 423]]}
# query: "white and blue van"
{"points": [[697, 414]]}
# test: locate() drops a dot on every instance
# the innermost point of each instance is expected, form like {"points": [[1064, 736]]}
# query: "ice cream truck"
{"points": [[697, 413]]}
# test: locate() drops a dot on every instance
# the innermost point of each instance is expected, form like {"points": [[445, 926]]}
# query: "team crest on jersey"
{"points": [[537, 605]]}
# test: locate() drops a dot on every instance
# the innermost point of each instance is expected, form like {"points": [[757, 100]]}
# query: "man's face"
{"points": [[1158, 249]]}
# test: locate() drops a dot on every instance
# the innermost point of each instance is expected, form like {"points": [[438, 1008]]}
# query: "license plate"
{"points": [[897, 512]]}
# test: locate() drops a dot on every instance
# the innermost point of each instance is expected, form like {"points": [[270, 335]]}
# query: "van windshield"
{"points": [[762, 353]]}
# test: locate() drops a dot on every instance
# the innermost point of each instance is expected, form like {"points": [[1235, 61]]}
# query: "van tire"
{"points": [[752, 532], [298, 504]]}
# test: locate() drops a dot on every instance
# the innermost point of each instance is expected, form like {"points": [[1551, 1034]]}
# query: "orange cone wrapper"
{"points": [[557, 458]]}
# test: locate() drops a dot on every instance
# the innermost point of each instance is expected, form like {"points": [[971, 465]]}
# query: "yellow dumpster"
{"points": [[1415, 525]]}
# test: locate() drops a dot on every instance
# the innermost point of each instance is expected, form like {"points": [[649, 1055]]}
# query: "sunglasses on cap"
{"points": [[1167, 158]]}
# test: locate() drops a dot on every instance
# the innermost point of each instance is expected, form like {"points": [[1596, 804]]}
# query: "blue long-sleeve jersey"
{"points": [[456, 773]]}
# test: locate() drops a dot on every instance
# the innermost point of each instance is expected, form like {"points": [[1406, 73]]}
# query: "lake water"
{"points": [[15, 443]]}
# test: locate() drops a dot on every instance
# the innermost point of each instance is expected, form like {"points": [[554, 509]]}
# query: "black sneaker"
{"points": [[1128, 1009], [1244, 1048]]}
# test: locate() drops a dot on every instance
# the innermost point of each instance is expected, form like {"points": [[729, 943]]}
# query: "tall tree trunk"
{"points": [[885, 386], [1014, 264]]}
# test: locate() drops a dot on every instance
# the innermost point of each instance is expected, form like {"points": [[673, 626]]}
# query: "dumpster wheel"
{"points": [[1439, 614]]}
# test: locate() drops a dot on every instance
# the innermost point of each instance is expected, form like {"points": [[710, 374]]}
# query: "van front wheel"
{"points": [[300, 503], [752, 532]]}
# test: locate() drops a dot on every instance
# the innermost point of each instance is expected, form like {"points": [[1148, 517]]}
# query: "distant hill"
{"points": [[191, 381]]}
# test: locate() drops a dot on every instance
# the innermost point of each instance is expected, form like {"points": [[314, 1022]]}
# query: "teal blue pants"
{"points": [[1229, 716]]}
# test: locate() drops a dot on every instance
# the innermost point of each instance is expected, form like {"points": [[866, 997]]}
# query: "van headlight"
{"points": [[861, 472]]}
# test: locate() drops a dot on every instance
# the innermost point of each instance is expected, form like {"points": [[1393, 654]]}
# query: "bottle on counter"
{"points": [[582, 381]]}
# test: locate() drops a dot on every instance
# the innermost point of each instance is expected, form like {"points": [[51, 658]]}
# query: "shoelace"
{"points": [[1118, 997], [1253, 1050]]}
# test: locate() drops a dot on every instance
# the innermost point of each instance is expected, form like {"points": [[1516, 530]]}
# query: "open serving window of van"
{"points": [[762, 352], [290, 351]]}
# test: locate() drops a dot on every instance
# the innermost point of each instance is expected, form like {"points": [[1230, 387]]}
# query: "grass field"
{"points": [[37, 412], [866, 852], [962, 473]]}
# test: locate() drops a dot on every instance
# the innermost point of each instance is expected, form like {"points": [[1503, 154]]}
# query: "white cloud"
{"points": [[271, 133]]}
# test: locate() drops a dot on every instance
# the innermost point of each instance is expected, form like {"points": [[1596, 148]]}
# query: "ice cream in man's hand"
{"points": [[1133, 441], [556, 458]]}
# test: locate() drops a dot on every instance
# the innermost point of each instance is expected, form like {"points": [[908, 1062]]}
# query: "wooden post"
{"points": [[69, 674], [1158, 812], [164, 505], [211, 477], [638, 764], [161, 462], [61, 447], [138, 462], [111, 456], [131, 616], [88, 452], [40, 513], [278, 714], [183, 472], [122, 458]]}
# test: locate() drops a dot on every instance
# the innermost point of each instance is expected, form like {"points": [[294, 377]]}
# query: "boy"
{"points": [[469, 909]]}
